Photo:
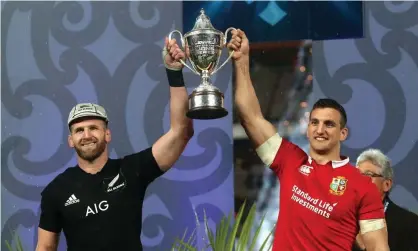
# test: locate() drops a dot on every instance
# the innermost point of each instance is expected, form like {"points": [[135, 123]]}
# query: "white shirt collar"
{"points": [[335, 163]]}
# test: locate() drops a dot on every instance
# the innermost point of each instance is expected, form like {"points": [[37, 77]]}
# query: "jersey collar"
{"points": [[102, 172], [336, 163]]}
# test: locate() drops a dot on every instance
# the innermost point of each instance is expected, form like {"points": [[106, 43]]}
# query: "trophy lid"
{"points": [[203, 22]]}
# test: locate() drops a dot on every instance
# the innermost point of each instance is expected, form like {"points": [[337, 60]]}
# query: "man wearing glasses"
{"points": [[402, 225]]}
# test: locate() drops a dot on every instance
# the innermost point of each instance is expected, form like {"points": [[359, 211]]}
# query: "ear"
{"points": [[387, 185], [108, 136], [70, 141], [344, 134]]}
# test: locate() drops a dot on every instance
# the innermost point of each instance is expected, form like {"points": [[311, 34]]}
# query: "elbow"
{"points": [[183, 133], [189, 133]]}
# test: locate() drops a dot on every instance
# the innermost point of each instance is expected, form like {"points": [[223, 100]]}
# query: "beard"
{"points": [[91, 154]]}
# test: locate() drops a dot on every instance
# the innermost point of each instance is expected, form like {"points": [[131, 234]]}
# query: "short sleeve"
{"points": [[288, 155], [371, 205], [50, 219], [144, 164]]}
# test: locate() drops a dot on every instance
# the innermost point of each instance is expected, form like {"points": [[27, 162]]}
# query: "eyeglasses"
{"points": [[374, 175]]}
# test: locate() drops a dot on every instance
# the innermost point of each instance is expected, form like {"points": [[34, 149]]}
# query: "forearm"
{"points": [[246, 100], [179, 122], [170, 146], [258, 129]]}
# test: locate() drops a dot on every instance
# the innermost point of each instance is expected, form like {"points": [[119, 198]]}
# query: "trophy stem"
{"points": [[205, 78]]}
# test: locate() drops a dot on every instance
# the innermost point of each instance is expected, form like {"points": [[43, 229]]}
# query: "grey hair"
{"points": [[377, 158]]}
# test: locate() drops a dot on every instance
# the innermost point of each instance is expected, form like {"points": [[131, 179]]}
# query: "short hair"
{"points": [[377, 158], [331, 103]]}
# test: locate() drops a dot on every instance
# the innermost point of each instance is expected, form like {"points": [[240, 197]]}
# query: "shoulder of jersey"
{"points": [[353, 169], [62, 178]]}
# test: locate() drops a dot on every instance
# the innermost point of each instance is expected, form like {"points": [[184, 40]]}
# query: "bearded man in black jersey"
{"points": [[98, 203]]}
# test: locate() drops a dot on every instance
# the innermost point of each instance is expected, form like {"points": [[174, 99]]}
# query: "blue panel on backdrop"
{"points": [[281, 20]]}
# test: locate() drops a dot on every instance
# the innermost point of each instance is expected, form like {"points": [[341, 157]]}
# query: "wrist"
{"points": [[175, 77], [242, 66], [172, 68]]}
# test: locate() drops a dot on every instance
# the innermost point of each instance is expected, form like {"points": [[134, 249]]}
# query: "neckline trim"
{"points": [[335, 163], [99, 173]]}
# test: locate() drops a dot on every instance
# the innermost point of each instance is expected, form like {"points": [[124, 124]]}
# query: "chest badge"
{"points": [[338, 185], [116, 183]]}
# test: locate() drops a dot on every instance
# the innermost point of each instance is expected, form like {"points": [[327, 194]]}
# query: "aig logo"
{"points": [[97, 208]]}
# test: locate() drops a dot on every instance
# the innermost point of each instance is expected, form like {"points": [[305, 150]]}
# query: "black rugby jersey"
{"points": [[101, 211]]}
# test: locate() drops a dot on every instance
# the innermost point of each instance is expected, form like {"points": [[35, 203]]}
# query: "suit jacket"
{"points": [[402, 228]]}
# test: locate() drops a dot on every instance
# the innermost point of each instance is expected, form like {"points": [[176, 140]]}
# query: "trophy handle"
{"points": [[183, 48], [231, 52]]}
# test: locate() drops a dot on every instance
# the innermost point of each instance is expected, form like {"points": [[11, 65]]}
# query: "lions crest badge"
{"points": [[338, 185]]}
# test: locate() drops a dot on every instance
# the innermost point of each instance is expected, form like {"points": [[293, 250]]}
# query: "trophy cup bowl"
{"points": [[203, 46]]}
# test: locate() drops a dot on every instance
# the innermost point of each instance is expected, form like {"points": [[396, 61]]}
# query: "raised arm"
{"points": [[258, 129], [261, 132], [170, 146]]}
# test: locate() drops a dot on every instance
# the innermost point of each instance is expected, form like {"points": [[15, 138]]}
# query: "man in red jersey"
{"points": [[324, 201]]}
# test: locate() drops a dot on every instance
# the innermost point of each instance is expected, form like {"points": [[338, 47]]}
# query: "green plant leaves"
{"points": [[17, 241], [225, 237]]}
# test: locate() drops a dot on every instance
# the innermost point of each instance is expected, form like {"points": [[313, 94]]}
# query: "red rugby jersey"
{"points": [[320, 205]]}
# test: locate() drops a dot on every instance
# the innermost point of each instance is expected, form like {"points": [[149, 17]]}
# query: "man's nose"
{"points": [[320, 129], [87, 133]]}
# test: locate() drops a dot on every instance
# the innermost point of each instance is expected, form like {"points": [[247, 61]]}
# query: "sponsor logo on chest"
{"points": [[319, 206], [97, 208], [94, 208]]}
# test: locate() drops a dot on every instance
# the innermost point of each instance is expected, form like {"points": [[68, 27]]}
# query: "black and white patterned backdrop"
{"points": [[55, 54], [376, 79]]}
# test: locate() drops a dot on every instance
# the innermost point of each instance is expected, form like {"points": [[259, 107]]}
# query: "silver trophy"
{"points": [[203, 47]]}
